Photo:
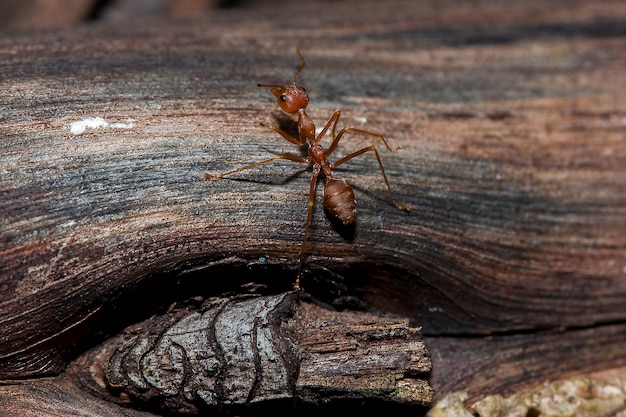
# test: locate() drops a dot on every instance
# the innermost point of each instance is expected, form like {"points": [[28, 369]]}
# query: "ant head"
{"points": [[291, 98]]}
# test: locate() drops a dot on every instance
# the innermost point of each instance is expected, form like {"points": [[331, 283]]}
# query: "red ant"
{"points": [[339, 198]]}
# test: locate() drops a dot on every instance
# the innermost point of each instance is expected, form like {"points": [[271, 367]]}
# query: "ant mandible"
{"points": [[339, 198]]}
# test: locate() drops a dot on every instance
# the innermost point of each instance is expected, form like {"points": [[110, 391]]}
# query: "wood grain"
{"points": [[521, 361], [512, 121]]}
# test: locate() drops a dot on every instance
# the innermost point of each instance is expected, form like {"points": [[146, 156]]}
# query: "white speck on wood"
{"points": [[81, 126]]}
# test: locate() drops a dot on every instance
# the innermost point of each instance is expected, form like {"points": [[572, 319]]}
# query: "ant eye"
{"points": [[283, 98]]}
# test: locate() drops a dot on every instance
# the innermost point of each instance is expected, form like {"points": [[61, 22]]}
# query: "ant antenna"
{"points": [[295, 78], [301, 65]]}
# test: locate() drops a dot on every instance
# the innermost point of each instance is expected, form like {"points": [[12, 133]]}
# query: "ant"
{"points": [[339, 199]]}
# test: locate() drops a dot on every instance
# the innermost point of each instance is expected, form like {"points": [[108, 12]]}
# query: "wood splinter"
{"points": [[250, 350]]}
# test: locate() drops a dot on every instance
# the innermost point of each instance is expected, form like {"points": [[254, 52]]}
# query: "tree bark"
{"points": [[253, 350], [243, 352], [511, 120]]}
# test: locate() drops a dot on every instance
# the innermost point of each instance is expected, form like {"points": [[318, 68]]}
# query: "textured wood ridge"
{"points": [[259, 349]]}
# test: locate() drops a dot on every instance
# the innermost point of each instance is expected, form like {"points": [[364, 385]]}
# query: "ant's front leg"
{"points": [[256, 164], [267, 161], [299, 142]]}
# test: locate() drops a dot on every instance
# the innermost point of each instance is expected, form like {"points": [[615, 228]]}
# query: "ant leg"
{"points": [[404, 207], [316, 172], [256, 164], [286, 135], [332, 121], [360, 131]]}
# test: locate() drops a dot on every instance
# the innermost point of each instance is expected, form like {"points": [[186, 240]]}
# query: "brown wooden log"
{"points": [[512, 123]]}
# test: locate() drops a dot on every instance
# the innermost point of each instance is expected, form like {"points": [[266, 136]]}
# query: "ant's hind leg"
{"points": [[345, 159], [307, 225]]}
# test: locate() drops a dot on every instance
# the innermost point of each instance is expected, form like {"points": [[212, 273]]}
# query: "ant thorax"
{"points": [[306, 127]]}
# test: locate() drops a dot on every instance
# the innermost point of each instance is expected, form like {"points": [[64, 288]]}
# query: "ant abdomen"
{"points": [[339, 200]]}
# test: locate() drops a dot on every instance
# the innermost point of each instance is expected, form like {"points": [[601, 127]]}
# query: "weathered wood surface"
{"points": [[512, 120]]}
